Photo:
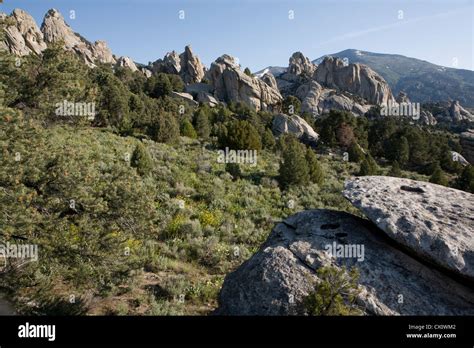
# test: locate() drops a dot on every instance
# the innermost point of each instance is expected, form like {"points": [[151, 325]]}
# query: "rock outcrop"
{"points": [[318, 100], [276, 279], [353, 78], [270, 80], [22, 35], [231, 84], [192, 70], [186, 64], [457, 113], [294, 124], [127, 62], [434, 222], [467, 144], [301, 65]]}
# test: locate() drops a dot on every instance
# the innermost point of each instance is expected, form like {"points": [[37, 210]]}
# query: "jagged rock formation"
{"points": [[126, 62], [55, 29], [186, 64], [276, 279], [432, 221], [23, 35], [294, 124], [192, 70], [426, 117], [457, 113], [301, 65], [354, 78], [467, 144], [231, 84]]}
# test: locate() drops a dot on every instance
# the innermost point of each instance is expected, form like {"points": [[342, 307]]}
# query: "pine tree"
{"points": [[141, 160], [202, 124], [187, 130], [247, 72], [241, 135], [355, 153], [438, 176], [368, 166], [293, 167], [395, 170], [316, 174], [268, 140], [465, 181]]}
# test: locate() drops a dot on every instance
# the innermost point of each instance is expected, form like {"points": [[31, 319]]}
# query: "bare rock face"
{"points": [[126, 62], [192, 70], [186, 64], [276, 279], [427, 118], [270, 80], [432, 221], [301, 65], [294, 124], [230, 83], [467, 144], [318, 100], [23, 36], [457, 113], [354, 78], [102, 53], [55, 29]]}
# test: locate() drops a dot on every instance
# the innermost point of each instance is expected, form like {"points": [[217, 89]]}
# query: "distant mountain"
{"points": [[274, 70], [421, 80]]}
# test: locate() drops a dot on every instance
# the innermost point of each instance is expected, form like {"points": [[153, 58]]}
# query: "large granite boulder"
{"points": [[276, 279], [22, 35], [231, 84], [294, 124], [356, 78], [318, 100], [433, 222]]}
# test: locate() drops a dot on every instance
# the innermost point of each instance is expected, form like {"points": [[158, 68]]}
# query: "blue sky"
{"points": [[261, 33]]}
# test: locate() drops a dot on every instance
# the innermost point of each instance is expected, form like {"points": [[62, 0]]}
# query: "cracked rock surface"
{"points": [[432, 221], [275, 280]]}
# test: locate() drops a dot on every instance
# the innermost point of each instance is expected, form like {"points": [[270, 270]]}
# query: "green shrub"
{"points": [[335, 294]]}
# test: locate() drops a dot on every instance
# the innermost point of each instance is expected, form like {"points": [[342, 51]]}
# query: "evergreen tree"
{"points": [[291, 105], [465, 181], [316, 174], [355, 153], [141, 160], [268, 140], [395, 170], [201, 122], [248, 72], [438, 176], [398, 149], [293, 167], [187, 130], [241, 135], [368, 166]]}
